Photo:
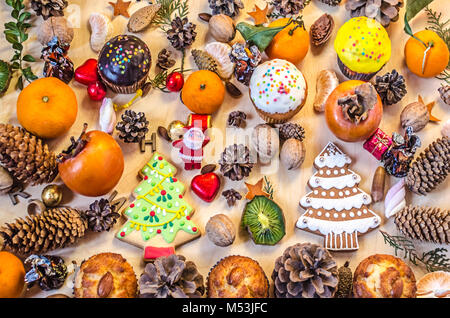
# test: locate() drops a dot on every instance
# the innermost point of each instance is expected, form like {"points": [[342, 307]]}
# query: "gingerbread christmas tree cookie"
{"points": [[336, 208], [158, 219]]}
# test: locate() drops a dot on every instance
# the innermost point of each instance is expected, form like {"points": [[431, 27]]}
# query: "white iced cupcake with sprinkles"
{"points": [[278, 90]]}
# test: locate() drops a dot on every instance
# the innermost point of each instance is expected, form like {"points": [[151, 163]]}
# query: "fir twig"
{"points": [[268, 188], [434, 260], [163, 17], [16, 34]]}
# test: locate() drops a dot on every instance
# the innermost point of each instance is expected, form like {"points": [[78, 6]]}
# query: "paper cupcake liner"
{"points": [[354, 75], [131, 89]]}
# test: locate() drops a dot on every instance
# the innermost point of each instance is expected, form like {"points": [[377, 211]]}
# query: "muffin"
{"points": [[237, 277], [124, 63], [278, 90], [363, 47], [105, 275], [383, 276]]}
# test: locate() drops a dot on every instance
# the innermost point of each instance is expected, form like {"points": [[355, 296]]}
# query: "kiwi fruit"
{"points": [[264, 220]]}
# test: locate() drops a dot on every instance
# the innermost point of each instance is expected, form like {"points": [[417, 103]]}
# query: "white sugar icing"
{"points": [[277, 86], [354, 201], [341, 182]]}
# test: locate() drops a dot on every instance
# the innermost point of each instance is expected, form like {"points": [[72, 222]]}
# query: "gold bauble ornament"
{"points": [[176, 130], [52, 195]]}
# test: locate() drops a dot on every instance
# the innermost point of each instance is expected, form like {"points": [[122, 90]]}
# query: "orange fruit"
{"points": [[203, 92], [47, 107], [288, 44], [436, 59], [12, 275]]}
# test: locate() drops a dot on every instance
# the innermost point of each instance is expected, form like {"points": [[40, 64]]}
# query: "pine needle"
{"points": [[163, 17]]}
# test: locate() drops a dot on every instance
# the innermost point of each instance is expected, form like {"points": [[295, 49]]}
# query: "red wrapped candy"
{"points": [[378, 143]]}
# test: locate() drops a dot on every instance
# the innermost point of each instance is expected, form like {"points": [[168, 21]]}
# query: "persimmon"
{"points": [[47, 107], [291, 43], [430, 63], [12, 274], [203, 92], [92, 165], [344, 128]]}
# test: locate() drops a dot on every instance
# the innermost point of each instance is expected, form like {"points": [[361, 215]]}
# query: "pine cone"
{"points": [[231, 196], [391, 87], [101, 216], [444, 92], [50, 230], [288, 7], [236, 118], [384, 11], [57, 63], [235, 162], [424, 223], [291, 130], [171, 277], [133, 126], [305, 271], [49, 8], [227, 7], [331, 2], [164, 61], [181, 34], [430, 168], [204, 61], [25, 156]]}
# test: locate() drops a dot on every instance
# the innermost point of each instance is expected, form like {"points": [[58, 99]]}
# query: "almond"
{"points": [[105, 285]]}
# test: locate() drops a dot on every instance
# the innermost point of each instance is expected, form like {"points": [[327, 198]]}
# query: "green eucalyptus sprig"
{"points": [[16, 34], [163, 17]]}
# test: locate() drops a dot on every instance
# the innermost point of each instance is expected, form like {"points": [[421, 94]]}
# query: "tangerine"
{"points": [[436, 59], [291, 43], [12, 275]]}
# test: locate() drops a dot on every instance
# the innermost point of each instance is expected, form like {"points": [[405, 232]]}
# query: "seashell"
{"points": [[445, 131], [292, 153], [221, 53], [55, 26], [395, 199], [326, 82], [434, 285], [107, 118], [222, 28], [6, 181], [101, 28], [417, 115], [142, 17], [265, 141]]}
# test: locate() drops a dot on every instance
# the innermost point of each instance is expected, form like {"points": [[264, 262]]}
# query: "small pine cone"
{"points": [[50, 230], [49, 8], [204, 61], [227, 7], [291, 130], [164, 61], [391, 87], [331, 2], [384, 11], [444, 92], [424, 223], [288, 7], [25, 156], [236, 118], [133, 126], [181, 34], [430, 168], [101, 216], [231, 196], [235, 162]]}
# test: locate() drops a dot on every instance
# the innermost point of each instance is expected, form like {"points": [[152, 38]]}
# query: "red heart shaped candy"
{"points": [[206, 186], [87, 73]]}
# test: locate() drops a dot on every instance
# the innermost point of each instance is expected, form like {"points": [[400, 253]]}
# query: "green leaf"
{"points": [[23, 37], [19, 83], [29, 58], [28, 73], [15, 65], [10, 2], [5, 76], [15, 57], [11, 26], [15, 14], [11, 38], [413, 7], [26, 25], [24, 16], [261, 36], [12, 32], [17, 46]]}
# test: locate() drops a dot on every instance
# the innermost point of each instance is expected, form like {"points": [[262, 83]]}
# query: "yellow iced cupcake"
{"points": [[363, 48]]}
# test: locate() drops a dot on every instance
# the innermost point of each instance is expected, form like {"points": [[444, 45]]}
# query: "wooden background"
{"points": [[162, 108]]}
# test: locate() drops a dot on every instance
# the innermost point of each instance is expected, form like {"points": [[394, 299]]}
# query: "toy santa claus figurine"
{"points": [[193, 140]]}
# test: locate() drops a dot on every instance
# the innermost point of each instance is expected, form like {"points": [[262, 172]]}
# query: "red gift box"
{"points": [[378, 143]]}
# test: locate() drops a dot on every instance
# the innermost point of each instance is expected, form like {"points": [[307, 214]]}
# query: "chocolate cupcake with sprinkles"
{"points": [[124, 63]]}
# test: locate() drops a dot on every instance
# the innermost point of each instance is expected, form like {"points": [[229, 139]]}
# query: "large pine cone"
{"points": [[227, 7], [305, 271], [424, 223], [235, 162], [25, 156], [181, 34], [49, 8], [171, 277], [52, 229], [430, 168], [384, 11]]}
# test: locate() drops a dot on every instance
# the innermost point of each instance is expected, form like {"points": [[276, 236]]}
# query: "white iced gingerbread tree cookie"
{"points": [[336, 208], [158, 219]]}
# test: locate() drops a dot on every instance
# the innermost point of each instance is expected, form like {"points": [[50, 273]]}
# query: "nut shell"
{"points": [[220, 230], [415, 115], [222, 28], [55, 26], [292, 153]]}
